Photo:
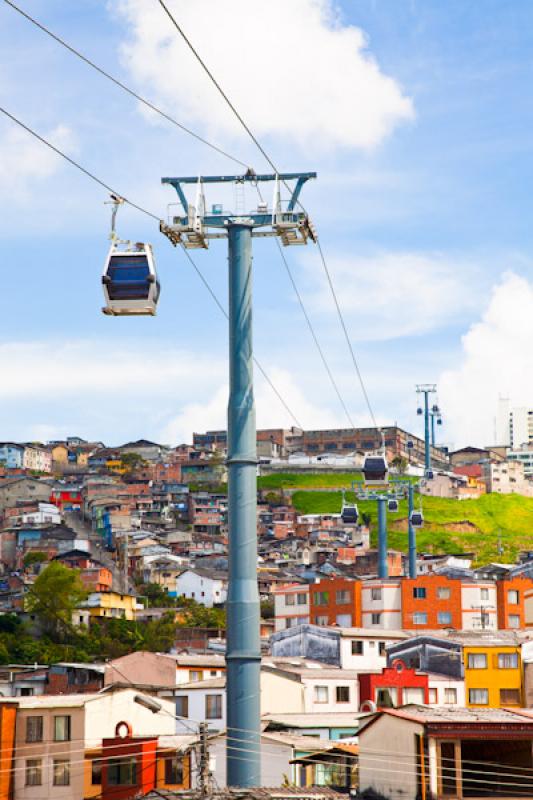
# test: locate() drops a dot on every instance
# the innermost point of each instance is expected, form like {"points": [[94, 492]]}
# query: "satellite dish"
{"points": [[368, 706]]}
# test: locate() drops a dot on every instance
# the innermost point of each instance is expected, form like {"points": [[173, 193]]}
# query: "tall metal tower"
{"points": [[194, 230], [426, 389]]}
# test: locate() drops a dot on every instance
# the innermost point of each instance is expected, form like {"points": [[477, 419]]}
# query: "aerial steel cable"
{"points": [[121, 85], [276, 170], [112, 191]]}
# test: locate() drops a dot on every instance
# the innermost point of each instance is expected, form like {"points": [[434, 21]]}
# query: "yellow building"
{"points": [[107, 605], [116, 465], [493, 676], [60, 454]]}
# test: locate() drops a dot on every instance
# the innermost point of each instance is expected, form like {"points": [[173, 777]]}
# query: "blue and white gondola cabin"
{"points": [[130, 282]]}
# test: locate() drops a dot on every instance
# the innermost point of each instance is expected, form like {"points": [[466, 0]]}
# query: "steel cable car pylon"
{"points": [[129, 278]]}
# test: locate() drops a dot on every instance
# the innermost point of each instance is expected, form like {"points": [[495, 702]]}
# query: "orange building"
{"points": [[511, 595], [8, 718], [431, 601], [335, 601]]}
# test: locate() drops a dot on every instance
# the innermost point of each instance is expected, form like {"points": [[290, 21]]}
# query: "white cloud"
{"points": [[291, 68], [270, 413], [395, 294], [92, 367], [497, 360], [23, 159]]}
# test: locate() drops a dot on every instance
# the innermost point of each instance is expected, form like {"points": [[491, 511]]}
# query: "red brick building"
{"points": [[335, 601]]}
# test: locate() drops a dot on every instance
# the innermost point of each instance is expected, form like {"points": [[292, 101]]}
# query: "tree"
{"points": [[54, 597], [400, 463], [34, 557], [132, 461]]}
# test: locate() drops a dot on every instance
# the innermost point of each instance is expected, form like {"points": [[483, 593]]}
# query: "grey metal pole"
{"points": [[243, 653], [411, 532], [383, 566], [432, 429], [427, 454]]}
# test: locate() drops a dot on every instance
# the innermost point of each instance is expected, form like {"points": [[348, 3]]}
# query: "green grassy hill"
{"points": [[451, 526]]}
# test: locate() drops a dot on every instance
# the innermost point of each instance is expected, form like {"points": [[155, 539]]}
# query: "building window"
{"points": [[321, 694], [513, 620], [433, 696], [357, 648], [342, 694], [61, 772], [321, 598], [420, 618], [195, 675], [450, 696], [443, 592], [34, 729], [289, 599], [382, 648], [376, 594], [62, 729], [96, 771], [513, 597], [387, 697], [34, 772], [376, 619], [174, 771], [507, 660], [419, 592], [344, 620], [444, 618], [478, 697], [321, 619], [122, 772], [342, 597], [484, 594], [301, 598], [477, 661], [510, 697], [413, 694], [213, 706], [182, 706]]}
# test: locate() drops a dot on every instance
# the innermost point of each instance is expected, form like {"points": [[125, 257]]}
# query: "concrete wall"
{"points": [[307, 641], [388, 757], [103, 714], [275, 758]]}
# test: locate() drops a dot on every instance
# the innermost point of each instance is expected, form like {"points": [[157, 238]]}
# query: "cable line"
{"points": [[121, 85], [204, 280], [271, 163], [313, 334]]}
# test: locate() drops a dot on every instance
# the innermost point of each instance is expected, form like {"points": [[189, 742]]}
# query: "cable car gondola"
{"points": [[129, 278], [417, 519], [375, 470], [349, 512], [392, 505]]}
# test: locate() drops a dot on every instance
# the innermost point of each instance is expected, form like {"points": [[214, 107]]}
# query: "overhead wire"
{"points": [[276, 170], [122, 85], [138, 207], [171, 119]]}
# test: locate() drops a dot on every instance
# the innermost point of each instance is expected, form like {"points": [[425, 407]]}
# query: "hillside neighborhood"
{"points": [[113, 586]]}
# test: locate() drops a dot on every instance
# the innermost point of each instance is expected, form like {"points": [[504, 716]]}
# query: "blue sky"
{"points": [[417, 118]]}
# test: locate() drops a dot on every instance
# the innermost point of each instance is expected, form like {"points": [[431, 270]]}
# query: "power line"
{"points": [[77, 165], [271, 163], [314, 335], [106, 186], [121, 85]]}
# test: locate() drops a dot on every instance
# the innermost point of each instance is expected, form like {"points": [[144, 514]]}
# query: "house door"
{"points": [[449, 770]]}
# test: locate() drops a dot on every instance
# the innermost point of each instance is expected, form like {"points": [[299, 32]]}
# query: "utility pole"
{"points": [[383, 564], [411, 531], [426, 389], [204, 778], [194, 230]]}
